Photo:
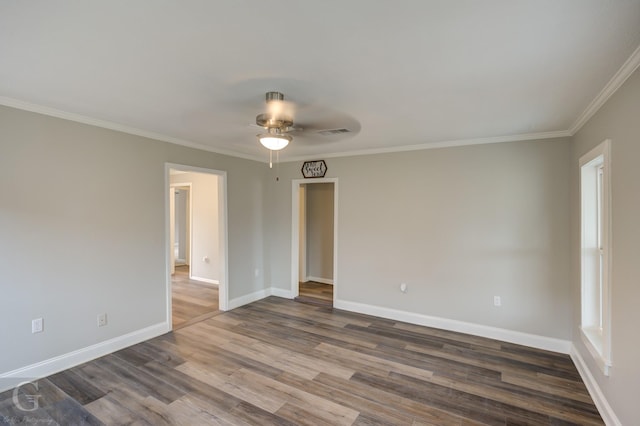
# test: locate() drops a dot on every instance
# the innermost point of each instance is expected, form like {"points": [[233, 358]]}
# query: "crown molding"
{"points": [[435, 145], [53, 112], [611, 87]]}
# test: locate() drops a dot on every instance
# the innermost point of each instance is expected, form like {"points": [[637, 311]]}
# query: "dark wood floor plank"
{"points": [[554, 386], [147, 384], [70, 412], [76, 387], [448, 335], [158, 351], [305, 313], [341, 334]]}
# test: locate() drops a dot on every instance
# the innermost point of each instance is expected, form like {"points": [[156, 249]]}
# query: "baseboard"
{"points": [[605, 410], [248, 298], [320, 280], [517, 337], [258, 295], [45, 368], [204, 280], [280, 292]]}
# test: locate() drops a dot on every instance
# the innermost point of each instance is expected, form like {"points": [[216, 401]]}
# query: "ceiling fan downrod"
{"points": [[274, 96]]}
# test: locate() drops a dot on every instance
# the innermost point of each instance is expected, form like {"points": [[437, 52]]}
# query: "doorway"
{"points": [[314, 241], [196, 244]]}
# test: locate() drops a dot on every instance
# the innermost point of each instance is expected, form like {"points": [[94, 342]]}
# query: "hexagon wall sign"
{"points": [[314, 169]]}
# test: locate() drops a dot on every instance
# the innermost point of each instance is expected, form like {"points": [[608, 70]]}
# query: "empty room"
{"points": [[320, 213]]}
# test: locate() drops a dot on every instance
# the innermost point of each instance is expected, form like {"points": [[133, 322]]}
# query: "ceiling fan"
{"points": [[277, 121], [316, 124]]}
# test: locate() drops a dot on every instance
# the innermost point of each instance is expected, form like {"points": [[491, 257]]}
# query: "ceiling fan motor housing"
{"points": [[273, 121]]}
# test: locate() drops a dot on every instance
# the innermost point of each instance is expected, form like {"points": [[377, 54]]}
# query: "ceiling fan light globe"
{"points": [[274, 142]]}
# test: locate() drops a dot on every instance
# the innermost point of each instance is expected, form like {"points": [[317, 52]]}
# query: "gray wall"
{"points": [[68, 248], [619, 121], [319, 222], [458, 225]]}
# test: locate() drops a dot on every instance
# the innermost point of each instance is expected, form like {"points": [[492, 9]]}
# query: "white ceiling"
{"points": [[410, 73]]}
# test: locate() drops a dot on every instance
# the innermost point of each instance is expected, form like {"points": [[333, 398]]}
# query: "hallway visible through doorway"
{"points": [[192, 301]]}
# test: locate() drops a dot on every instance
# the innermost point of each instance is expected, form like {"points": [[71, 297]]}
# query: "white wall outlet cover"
{"points": [[497, 301], [403, 287], [102, 320], [37, 325]]}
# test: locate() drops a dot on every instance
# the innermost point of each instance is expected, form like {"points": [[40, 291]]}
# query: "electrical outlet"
{"points": [[497, 301], [37, 325], [102, 320], [403, 287]]}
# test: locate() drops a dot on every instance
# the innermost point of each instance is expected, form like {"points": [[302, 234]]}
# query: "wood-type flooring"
{"points": [[315, 293], [277, 362], [191, 301]]}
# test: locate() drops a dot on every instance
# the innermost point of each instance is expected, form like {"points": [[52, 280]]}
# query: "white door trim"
{"points": [[188, 259], [302, 237], [223, 241], [295, 232]]}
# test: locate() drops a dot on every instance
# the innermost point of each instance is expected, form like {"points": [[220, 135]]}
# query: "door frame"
{"points": [[189, 222], [295, 232], [302, 237], [223, 242]]}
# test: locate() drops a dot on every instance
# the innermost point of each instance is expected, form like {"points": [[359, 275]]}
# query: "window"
{"points": [[595, 260]]}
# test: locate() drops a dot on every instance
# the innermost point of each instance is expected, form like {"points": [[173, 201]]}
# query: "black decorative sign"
{"points": [[314, 169]]}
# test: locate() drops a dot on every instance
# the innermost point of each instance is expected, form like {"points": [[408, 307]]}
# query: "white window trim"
{"points": [[598, 339]]}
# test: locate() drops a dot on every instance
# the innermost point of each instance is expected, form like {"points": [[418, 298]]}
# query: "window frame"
{"points": [[595, 249]]}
